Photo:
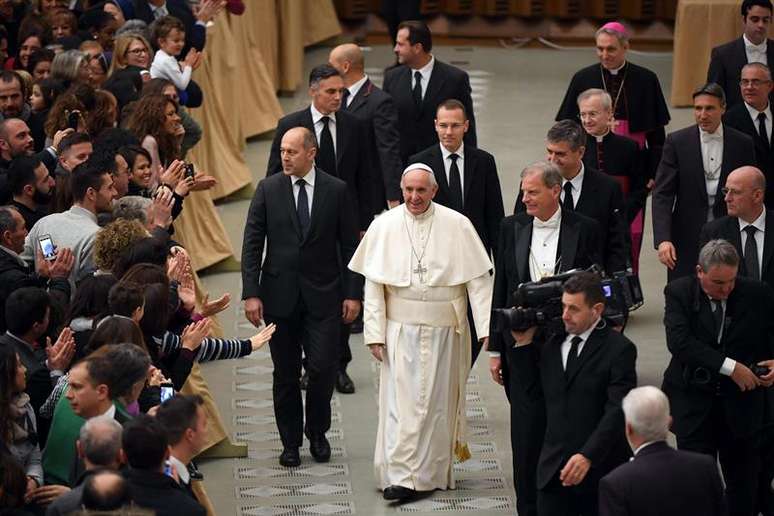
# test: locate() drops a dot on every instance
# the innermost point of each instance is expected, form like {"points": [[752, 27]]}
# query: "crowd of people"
{"points": [[379, 200], [100, 321]]}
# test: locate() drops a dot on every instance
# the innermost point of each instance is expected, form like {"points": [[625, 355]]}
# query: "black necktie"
{"points": [[762, 128], [302, 207], [751, 253], [417, 91], [455, 185], [572, 356], [326, 157], [568, 203], [344, 97], [717, 315]]}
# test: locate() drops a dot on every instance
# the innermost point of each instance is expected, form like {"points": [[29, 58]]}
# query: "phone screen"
{"points": [[47, 247], [167, 392]]}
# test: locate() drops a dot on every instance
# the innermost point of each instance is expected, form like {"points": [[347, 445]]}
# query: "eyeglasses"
{"points": [[137, 51], [755, 83]]}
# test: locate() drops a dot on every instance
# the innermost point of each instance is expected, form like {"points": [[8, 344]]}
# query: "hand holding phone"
{"points": [[47, 247]]}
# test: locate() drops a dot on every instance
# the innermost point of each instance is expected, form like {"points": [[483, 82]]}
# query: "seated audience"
{"points": [[146, 449], [99, 446]]}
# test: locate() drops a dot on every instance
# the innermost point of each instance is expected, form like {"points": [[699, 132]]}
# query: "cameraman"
{"points": [[540, 242], [718, 329], [581, 375]]}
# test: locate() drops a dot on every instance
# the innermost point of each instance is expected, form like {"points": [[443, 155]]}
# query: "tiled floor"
{"points": [[516, 94]]}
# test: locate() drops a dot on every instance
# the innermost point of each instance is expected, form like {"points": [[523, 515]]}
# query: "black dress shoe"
{"points": [[290, 458], [304, 382], [344, 383], [398, 493], [320, 448]]}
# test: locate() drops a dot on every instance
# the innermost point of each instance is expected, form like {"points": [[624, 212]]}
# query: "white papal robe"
{"points": [[421, 317]]}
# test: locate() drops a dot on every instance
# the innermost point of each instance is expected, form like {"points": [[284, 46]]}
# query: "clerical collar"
{"points": [[316, 115], [749, 44], [602, 137], [614, 71], [356, 88], [759, 223], [422, 216], [426, 70], [446, 152]]}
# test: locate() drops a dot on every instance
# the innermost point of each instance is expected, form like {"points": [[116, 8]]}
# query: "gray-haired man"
{"points": [[718, 327]]}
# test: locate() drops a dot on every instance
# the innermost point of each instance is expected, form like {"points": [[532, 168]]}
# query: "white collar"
{"points": [[182, 470], [111, 412], [577, 181], [553, 221], [426, 70], [752, 46], [446, 152], [316, 115], [759, 223], [309, 177], [614, 71], [754, 112], [718, 132], [600, 137], [356, 87]]}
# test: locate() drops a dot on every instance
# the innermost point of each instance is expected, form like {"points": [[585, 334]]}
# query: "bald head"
{"points": [[348, 60], [297, 151], [744, 193]]}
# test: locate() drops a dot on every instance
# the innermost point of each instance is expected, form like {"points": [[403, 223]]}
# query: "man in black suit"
{"points": [[144, 443], [302, 285], [753, 117], [659, 481], [581, 374], [754, 46], [717, 325], [195, 24], [365, 100], [590, 193], [341, 139], [419, 84], [690, 179], [467, 181], [540, 242]]}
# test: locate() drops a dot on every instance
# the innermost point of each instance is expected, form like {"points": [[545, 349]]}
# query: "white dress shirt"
{"points": [[754, 115], [182, 470], [309, 186], [544, 245], [426, 72], [354, 89], [755, 53], [760, 225], [565, 349], [447, 162], [318, 125], [728, 363], [577, 185], [712, 160]]}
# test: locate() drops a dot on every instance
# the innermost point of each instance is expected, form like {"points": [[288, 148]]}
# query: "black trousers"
{"points": [[557, 500], [739, 459], [475, 345], [318, 338], [528, 427], [346, 352]]}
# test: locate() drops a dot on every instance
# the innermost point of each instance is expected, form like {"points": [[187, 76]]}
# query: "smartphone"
{"points": [[189, 170], [72, 119], [167, 391], [47, 247]]}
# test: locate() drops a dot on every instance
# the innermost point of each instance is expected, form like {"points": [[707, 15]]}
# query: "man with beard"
{"points": [[93, 193], [12, 105], [32, 188], [16, 140]]}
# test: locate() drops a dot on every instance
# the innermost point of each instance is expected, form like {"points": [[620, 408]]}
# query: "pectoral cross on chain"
{"points": [[421, 270]]}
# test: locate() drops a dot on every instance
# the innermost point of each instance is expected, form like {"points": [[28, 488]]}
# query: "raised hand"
{"points": [[262, 337], [194, 334], [210, 308], [61, 353]]}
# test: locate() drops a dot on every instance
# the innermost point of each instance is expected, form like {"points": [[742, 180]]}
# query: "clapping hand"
{"points": [[262, 337], [60, 267], [210, 308], [203, 182], [194, 334], [61, 353], [173, 173]]}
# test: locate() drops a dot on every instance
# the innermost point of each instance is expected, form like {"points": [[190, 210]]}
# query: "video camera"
{"points": [[539, 303]]}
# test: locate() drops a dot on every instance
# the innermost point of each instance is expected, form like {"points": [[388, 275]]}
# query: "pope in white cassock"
{"points": [[421, 262]]}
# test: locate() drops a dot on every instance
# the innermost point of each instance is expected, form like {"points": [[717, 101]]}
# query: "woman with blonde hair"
{"points": [[130, 50]]}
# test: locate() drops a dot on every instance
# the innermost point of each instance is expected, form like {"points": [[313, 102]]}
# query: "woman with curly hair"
{"points": [[105, 114], [156, 123], [113, 239], [80, 98], [70, 67], [193, 131], [18, 426]]}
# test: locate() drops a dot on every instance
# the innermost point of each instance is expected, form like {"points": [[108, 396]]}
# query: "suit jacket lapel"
{"points": [[341, 140], [698, 163], [568, 245], [307, 121], [318, 198], [433, 85], [590, 348], [469, 175], [521, 243], [588, 187], [287, 186], [360, 98], [440, 166]]}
